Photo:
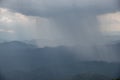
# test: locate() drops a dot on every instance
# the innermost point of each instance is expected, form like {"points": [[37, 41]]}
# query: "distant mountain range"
{"points": [[23, 61], [16, 45], [90, 77]]}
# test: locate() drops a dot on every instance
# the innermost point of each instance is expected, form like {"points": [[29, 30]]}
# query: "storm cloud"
{"points": [[70, 21], [59, 7]]}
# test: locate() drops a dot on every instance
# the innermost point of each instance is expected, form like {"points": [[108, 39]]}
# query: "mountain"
{"points": [[43, 42], [21, 61], [15, 45], [90, 77]]}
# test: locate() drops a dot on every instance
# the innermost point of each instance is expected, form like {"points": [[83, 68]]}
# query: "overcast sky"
{"points": [[61, 21]]}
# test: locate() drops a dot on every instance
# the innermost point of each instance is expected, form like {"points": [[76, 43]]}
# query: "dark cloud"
{"points": [[75, 19], [59, 7], [118, 4]]}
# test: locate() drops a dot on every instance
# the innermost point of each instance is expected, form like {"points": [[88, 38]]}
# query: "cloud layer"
{"points": [[67, 21], [17, 24], [56, 7]]}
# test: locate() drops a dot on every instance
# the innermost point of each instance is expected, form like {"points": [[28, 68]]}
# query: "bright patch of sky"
{"points": [[110, 23]]}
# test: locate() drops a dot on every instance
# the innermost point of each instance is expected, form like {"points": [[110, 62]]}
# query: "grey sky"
{"points": [[52, 7], [67, 21]]}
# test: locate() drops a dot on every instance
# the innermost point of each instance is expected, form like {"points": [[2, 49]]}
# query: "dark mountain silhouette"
{"points": [[21, 61], [15, 45], [90, 77], [2, 77]]}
